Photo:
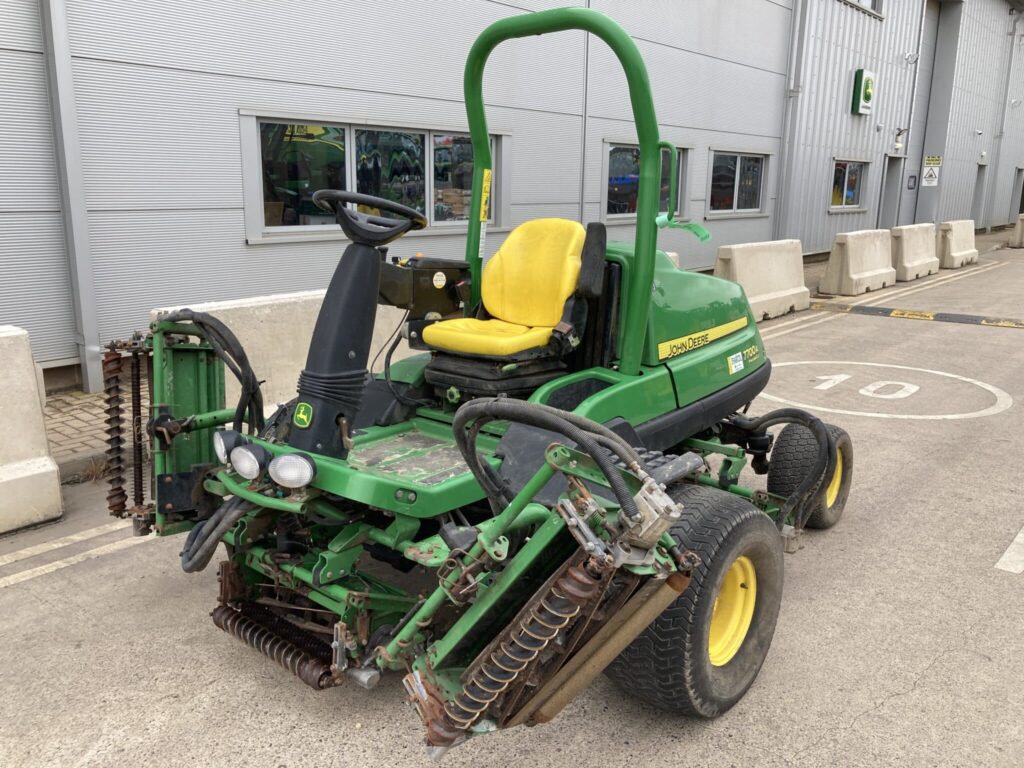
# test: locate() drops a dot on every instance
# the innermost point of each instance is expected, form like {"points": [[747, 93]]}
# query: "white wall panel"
{"points": [[404, 47], [19, 25], [35, 291], [977, 108], [28, 175], [840, 40], [752, 33]]}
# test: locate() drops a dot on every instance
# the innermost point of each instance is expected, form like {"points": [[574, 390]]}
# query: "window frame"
{"points": [[682, 198], [859, 206], [734, 212], [257, 232], [876, 10]]}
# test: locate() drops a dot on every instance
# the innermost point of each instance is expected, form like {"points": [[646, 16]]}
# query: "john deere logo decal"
{"points": [[303, 415], [863, 92]]}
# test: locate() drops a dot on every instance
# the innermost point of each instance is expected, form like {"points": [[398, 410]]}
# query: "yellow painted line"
{"points": [[81, 557], [676, 347], [47, 546], [912, 314], [1002, 323]]}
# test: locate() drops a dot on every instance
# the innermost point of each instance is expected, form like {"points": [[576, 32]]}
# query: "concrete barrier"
{"points": [[772, 274], [956, 244], [1017, 240], [29, 480], [913, 252], [859, 262], [275, 331]]}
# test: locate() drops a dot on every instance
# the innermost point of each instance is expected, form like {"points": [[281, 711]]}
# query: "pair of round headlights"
{"points": [[251, 460]]}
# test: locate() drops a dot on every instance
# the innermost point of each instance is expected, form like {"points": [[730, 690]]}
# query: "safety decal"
{"points": [[439, 280], [485, 195], [735, 363]]}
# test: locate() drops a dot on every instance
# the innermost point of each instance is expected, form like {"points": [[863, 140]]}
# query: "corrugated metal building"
{"points": [[155, 154]]}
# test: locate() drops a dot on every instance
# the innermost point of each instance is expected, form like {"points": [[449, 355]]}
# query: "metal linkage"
{"points": [[526, 639], [138, 492], [116, 497], [312, 671]]}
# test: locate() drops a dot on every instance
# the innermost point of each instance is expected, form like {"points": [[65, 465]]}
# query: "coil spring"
{"points": [[535, 631], [116, 496]]}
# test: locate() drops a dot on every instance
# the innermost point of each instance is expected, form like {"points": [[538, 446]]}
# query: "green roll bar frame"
{"points": [[638, 299]]}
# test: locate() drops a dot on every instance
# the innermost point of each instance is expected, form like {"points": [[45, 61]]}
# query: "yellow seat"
{"points": [[524, 289]]}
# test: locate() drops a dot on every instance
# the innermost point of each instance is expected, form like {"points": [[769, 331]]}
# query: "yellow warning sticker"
{"points": [[485, 195], [690, 342]]}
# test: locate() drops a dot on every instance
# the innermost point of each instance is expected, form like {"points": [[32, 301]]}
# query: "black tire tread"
{"points": [[710, 517], [792, 459]]}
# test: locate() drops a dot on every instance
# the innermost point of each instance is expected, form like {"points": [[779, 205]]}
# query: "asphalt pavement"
{"points": [[900, 641]]}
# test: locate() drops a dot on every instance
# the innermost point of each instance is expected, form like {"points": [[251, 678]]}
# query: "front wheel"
{"points": [[705, 650], [793, 458]]}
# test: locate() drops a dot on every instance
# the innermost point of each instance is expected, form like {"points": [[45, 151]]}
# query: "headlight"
{"points": [[225, 441], [250, 460], [292, 470]]}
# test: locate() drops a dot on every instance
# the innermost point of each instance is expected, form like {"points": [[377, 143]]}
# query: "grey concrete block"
{"points": [[859, 262]]}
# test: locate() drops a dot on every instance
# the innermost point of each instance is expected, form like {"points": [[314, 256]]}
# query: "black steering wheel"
{"points": [[362, 227]]}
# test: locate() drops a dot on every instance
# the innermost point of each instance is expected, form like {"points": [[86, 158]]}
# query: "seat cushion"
{"points": [[529, 279], [494, 338]]}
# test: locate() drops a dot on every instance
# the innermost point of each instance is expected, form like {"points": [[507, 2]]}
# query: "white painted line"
{"points": [[81, 557], [803, 319], [932, 284], [46, 546], [1013, 558], [1003, 400], [815, 319], [828, 318]]}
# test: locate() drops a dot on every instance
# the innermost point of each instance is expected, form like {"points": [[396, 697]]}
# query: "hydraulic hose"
{"points": [[203, 539], [229, 350], [826, 454], [542, 417]]}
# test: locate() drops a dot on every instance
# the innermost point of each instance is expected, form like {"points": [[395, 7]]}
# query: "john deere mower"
{"points": [[548, 489]]}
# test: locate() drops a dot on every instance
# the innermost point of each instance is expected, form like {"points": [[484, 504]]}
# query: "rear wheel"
{"points": [[793, 457], [705, 650]]}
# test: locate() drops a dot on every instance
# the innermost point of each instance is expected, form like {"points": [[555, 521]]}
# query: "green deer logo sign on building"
{"points": [[863, 92]]}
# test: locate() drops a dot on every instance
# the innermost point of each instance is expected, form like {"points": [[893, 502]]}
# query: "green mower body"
{"points": [[499, 550]]}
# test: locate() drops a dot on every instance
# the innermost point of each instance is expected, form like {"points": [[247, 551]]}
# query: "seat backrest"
{"points": [[529, 279]]}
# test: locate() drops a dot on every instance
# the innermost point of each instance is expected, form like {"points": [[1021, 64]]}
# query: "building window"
{"points": [[623, 177], [391, 165], [430, 171], [736, 182], [298, 160], [847, 180], [453, 176], [875, 6]]}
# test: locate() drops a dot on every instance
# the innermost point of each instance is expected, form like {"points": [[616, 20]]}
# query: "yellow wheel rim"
{"points": [[733, 611], [832, 492]]}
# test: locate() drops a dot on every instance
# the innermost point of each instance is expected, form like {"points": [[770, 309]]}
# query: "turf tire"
{"points": [[792, 459], [668, 665]]}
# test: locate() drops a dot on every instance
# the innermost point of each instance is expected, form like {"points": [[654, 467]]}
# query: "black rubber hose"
{"points": [[229, 350], [826, 455], [202, 541], [411, 402], [611, 438], [544, 418]]}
